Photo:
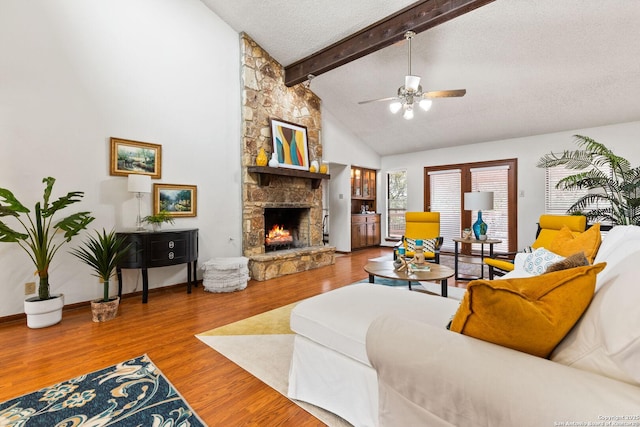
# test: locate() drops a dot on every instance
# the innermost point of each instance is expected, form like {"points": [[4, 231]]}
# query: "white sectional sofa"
{"points": [[381, 356]]}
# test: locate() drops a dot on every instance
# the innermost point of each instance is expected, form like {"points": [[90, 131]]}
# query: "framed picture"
{"points": [[176, 200], [133, 157], [290, 144]]}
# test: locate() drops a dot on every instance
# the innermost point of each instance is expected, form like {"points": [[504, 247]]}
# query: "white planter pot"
{"points": [[41, 314]]}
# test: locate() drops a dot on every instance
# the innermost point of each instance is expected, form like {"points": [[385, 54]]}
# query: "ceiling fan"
{"points": [[412, 92]]}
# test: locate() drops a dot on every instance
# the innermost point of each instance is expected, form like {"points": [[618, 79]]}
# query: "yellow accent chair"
{"points": [[548, 228], [423, 226]]}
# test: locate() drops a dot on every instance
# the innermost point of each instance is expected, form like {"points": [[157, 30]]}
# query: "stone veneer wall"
{"points": [[265, 96]]}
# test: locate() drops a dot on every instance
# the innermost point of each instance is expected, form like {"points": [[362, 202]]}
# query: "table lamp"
{"points": [[139, 184], [479, 201]]}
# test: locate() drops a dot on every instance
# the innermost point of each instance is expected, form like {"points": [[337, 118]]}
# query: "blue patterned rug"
{"points": [[387, 282], [131, 393]]}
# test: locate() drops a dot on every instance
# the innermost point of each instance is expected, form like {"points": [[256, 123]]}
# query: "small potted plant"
{"points": [[156, 220], [102, 253], [36, 236]]}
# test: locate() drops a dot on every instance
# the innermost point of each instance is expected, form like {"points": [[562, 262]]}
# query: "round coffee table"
{"points": [[385, 269]]}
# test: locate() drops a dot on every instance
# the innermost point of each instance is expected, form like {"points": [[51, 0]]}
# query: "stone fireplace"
{"points": [[272, 196]]}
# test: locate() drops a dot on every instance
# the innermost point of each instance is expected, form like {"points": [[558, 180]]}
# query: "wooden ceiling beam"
{"points": [[417, 17]]}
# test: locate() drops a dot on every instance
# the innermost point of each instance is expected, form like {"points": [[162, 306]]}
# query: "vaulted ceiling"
{"points": [[529, 66]]}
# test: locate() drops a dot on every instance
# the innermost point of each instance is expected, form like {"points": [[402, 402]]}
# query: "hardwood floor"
{"points": [[222, 393]]}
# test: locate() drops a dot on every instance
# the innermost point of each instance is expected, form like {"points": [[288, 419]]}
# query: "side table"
{"points": [[459, 240]]}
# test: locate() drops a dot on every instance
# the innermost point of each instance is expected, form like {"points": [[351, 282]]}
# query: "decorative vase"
{"points": [[324, 167], [274, 160], [43, 313], [102, 311], [261, 159], [480, 227], [314, 166], [418, 254]]}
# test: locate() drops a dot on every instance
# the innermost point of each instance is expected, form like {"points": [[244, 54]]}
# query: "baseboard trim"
{"points": [[76, 305]]}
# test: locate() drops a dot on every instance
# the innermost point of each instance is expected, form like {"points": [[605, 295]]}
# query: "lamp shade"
{"points": [[411, 83], [139, 183], [478, 201], [394, 107]]}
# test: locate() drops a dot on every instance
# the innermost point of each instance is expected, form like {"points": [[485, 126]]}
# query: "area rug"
{"points": [[262, 345], [434, 288], [132, 393]]}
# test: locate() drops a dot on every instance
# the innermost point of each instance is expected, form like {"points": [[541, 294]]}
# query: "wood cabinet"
{"points": [[363, 189], [365, 230], [159, 249], [365, 227]]}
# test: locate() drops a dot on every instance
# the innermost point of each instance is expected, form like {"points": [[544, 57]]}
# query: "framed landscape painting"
{"points": [[290, 144], [134, 157], [177, 200]]}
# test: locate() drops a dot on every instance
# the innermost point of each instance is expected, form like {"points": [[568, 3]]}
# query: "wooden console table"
{"points": [[159, 249]]}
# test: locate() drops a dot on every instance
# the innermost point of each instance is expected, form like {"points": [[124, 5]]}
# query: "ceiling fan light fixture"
{"points": [[425, 104], [395, 106], [411, 83], [411, 93]]}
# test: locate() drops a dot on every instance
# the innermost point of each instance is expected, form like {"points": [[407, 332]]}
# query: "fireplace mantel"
{"points": [[265, 173]]}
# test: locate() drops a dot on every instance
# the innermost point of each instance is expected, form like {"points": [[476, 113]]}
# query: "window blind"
{"points": [[445, 198], [396, 202], [495, 179]]}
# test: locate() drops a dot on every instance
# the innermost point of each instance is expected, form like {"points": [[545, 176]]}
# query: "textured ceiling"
{"points": [[529, 66]]}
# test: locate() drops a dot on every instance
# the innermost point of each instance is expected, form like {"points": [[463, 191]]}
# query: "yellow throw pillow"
{"points": [[565, 243], [527, 314]]}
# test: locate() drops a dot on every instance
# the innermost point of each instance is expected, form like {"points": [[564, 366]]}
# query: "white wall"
{"points": [[622, 139], [74, 73], [342, 150]]}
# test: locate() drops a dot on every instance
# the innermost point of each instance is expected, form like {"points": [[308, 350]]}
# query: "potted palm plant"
{"points": [[613, 184], [35, 232], [102, 253]]}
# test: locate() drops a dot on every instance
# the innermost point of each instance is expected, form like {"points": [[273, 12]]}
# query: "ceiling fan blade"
{"points": [[391, 98], [445, 93]]}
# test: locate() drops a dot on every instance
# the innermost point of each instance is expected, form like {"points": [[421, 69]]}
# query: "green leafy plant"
{"points": [[39, 228], [102, 253], [610, 179], [159, 218]]}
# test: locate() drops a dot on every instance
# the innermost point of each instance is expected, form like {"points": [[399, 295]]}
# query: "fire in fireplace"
{"points": [[278, 236], [286, 228]]}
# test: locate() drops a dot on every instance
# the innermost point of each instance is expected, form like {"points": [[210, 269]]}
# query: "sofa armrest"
{"points": [[432, 376]]}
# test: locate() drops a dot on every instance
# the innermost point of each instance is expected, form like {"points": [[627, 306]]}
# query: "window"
{"points": [[445, 198], [558, 201], [496, 180], [396, 202], [444, 192]]}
